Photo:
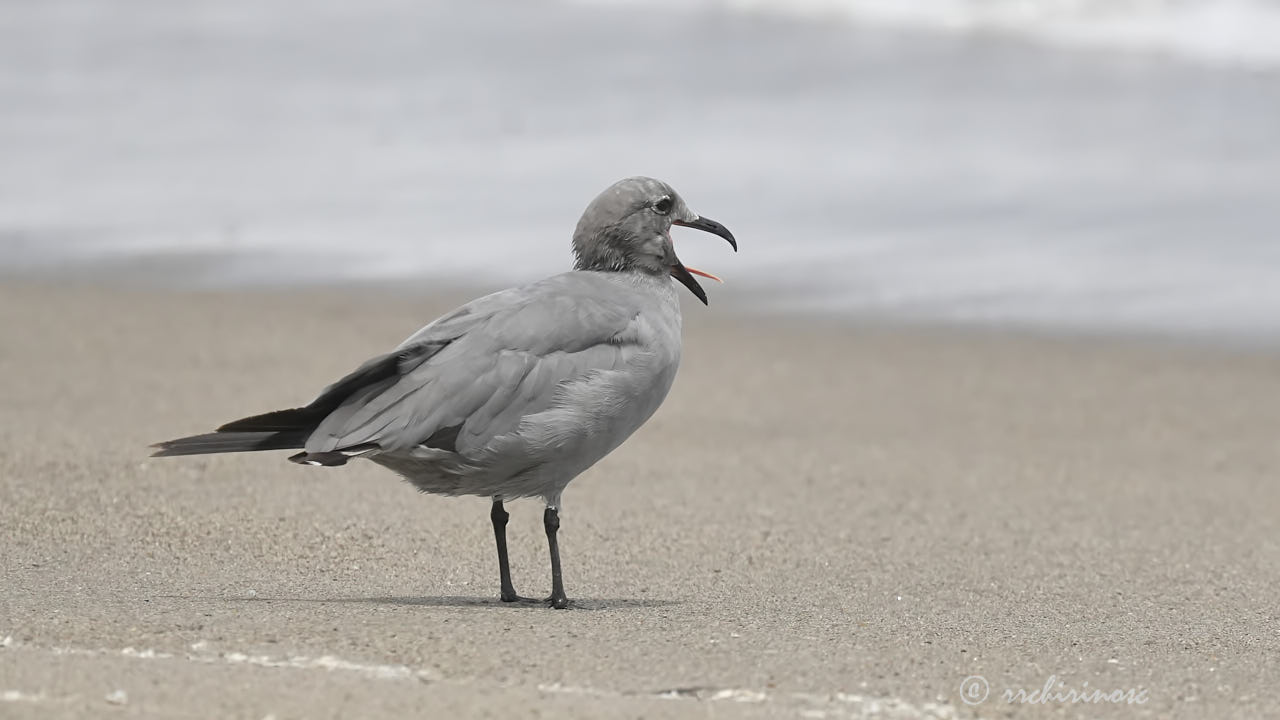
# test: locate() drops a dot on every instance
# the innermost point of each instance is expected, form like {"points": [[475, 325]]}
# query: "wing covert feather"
{"points": [[500, 358]]}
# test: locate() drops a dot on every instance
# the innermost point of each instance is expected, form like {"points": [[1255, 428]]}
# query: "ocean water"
{"points": [[1110, 166], [1234, 33]]}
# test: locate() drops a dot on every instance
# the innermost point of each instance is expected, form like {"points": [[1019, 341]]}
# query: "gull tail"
{"points": [[289, 429], [279, 430]]}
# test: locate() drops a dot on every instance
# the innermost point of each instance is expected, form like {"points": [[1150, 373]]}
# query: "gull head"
{"points": [[627, 228]]}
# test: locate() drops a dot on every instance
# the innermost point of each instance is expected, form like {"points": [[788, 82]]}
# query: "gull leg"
{"points": [[499, 517], [551, 521]]}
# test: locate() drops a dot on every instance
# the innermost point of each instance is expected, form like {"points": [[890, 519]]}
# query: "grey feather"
{"points": [[502, 361]]}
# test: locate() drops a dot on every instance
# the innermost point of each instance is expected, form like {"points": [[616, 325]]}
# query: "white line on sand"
{"points": [[19, 696], [834, 706], [841, 706], [200, 654]]}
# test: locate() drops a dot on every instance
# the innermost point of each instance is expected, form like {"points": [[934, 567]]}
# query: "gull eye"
{"points": [[663, 205]]}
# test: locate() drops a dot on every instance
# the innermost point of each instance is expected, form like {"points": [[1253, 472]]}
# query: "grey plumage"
{"points": [[516, 393]]}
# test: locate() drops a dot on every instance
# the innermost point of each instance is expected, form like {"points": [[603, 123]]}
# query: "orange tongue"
{"points": [[696, 271]]}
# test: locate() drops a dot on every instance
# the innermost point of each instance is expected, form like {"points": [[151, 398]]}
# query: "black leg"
{"points": [[551, 521], [499, 518]]}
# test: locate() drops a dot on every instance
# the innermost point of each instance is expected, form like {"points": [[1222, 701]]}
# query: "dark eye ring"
{"points": [[663, 205]]}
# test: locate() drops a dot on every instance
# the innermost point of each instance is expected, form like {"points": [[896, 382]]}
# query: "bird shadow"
{"points": [[473, 601], [460, 601]]}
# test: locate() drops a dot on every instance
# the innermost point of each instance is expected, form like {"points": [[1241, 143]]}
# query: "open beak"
{"points": [[685, 278], [711, 226], [684, 275]]}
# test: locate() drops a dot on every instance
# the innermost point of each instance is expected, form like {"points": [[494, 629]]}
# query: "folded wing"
{"points": [[474, 386]]}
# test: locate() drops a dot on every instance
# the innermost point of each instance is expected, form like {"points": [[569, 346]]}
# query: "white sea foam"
{"points": [[1226, 32]]}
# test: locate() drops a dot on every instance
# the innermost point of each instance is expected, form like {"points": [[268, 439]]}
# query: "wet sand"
{"points": [[822, 521]]}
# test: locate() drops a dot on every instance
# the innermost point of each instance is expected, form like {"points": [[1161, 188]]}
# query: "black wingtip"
{"points": [[228, 442], [275, 421]]}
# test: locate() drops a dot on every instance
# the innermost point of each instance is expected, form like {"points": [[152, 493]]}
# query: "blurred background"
{"points": [[1106, 165]]}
